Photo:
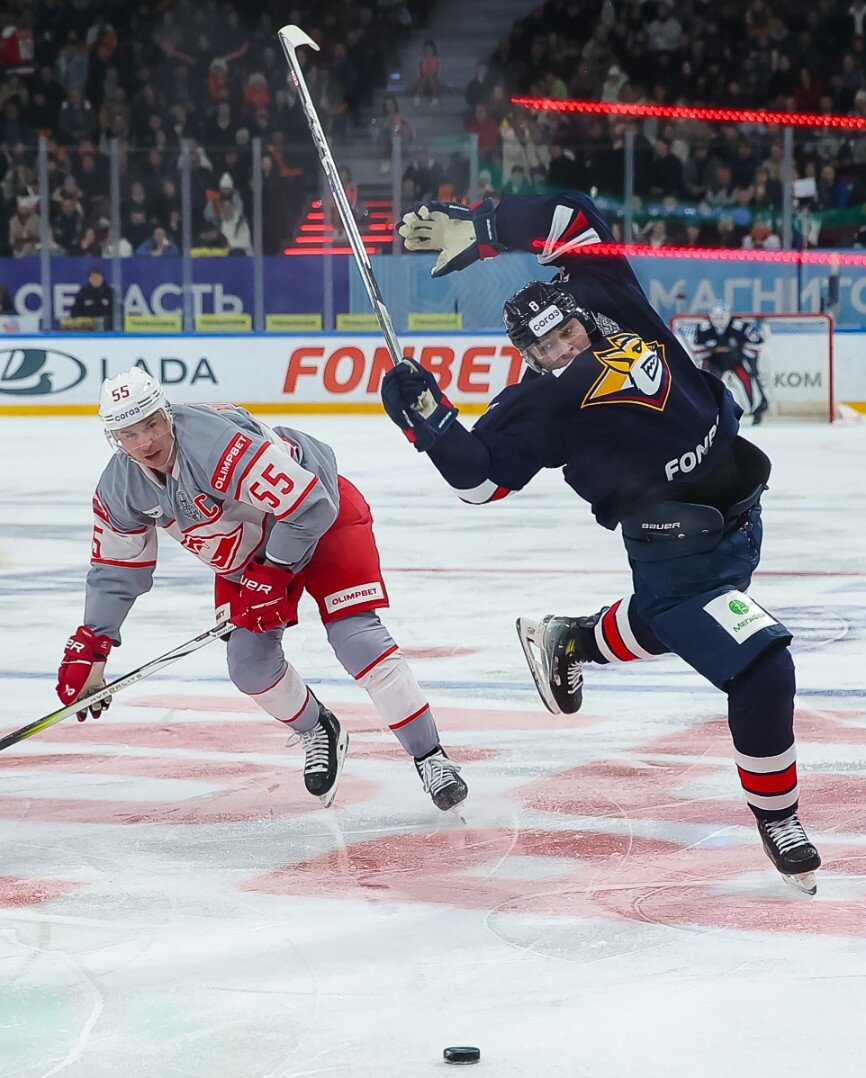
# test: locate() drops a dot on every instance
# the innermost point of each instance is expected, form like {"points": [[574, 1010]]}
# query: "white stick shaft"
{"points": [[290, 38]]}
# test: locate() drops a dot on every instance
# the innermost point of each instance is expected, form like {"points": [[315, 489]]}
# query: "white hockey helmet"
{"points": [[131, 397], [720, 315]]}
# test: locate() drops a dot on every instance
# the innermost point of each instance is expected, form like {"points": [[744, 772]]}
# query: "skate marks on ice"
{"points": [[589, 840], [672, 848]]}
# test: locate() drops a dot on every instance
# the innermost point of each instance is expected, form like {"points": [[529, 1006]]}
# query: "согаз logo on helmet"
{"points": [[38, 371]]}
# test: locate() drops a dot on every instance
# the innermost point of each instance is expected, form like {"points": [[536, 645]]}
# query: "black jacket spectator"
{"points": [[67, 227], [95, 300]]}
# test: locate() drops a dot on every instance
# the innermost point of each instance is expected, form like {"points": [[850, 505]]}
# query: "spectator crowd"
{"points": [[153, 76], [696, 184], [208, 75]]}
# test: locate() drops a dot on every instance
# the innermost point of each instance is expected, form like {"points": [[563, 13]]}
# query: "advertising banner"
{"points": [[56, 375], [473, 297], [220, 286]]}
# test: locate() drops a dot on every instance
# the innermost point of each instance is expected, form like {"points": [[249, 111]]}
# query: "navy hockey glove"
{"points": [[462, 234], [414, 401]]}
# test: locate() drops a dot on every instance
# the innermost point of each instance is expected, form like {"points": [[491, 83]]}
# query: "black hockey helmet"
{"points": [[536, 309]]}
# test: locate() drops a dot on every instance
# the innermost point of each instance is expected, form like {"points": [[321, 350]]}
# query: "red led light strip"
{"points": [[726, 254], [688, 112]]}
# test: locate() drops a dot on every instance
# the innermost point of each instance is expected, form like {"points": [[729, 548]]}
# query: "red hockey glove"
{"points": [[82, 669], [266, 599]]}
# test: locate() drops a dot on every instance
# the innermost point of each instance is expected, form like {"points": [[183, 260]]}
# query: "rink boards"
{"points": [[61, 374]]}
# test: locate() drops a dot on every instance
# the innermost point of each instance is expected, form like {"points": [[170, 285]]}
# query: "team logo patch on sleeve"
{"points": [[633, 372], [222, 474], [739, 615]]}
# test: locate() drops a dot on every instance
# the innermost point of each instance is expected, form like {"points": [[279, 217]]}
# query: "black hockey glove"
{"points": [[462, 234], [414, 401]]}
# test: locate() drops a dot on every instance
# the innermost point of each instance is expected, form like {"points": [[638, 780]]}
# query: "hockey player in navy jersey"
{"points": [[266, 509], [729, 347], [651, 442]]}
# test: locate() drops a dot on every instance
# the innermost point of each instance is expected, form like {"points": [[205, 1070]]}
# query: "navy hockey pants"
{"points": [[695, 602]]}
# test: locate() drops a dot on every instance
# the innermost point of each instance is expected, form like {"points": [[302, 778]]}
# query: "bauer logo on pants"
{"points": [[739, 615], [363, 593]]}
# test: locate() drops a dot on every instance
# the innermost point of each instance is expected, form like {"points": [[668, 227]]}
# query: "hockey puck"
{"points": [[462, 1055]]}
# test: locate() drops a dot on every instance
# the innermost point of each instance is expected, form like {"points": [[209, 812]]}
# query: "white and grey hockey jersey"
{"points": [[237, 488]]}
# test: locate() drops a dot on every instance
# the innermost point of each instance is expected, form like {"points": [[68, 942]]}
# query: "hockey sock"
{"points": [[621, 635], [290, 701], [761, 718], [397, 697], [368, 653]]}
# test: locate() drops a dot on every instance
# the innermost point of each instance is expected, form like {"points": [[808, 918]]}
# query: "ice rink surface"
{"points": [[173, 903]]}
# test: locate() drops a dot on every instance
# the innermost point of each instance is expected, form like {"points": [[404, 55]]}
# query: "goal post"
{"points": [[795, 362]]}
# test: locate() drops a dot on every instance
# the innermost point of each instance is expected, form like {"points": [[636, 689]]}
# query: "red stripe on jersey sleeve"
{"points": [[222, 473], [246, 470], [124, 564], [297, 502]]}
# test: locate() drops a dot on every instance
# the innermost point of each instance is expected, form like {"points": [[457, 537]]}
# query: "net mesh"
{"points": [[795, 364]]}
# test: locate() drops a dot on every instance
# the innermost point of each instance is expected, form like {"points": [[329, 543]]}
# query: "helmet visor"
{"points": [[557, 348]]}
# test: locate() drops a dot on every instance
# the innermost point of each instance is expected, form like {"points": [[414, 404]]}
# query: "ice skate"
{"points": [[325, 751], [442, 781], [555, 654], [788, 847]]}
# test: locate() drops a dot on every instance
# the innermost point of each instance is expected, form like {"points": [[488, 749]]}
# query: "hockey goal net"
{"points": [[795, 363]]}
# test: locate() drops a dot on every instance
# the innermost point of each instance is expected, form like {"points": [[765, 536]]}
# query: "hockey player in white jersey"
{"points": [[267, 510]]}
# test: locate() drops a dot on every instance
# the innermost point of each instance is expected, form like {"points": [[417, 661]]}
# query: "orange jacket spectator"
{"points": [[256, 94]]}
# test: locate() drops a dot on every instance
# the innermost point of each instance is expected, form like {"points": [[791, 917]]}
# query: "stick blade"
{"points": [[292, 36]]}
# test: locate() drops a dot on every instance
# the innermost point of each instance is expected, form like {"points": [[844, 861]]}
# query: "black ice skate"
{"points": [[325, 751], [442, 780], [788, 847], [557, 669]]}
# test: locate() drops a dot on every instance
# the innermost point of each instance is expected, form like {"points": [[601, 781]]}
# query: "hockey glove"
{"points": [[267, 598], [414, 401], [461, 234], [82, 669]]}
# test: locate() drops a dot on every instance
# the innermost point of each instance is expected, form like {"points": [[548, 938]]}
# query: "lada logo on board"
{"points": [[30, 372]]}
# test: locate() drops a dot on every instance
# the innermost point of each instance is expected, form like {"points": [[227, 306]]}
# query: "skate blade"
{"points": [[459, 810], [342, 747], [805, 882], [529, 633]]}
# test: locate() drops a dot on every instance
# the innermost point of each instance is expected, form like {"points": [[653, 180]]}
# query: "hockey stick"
{"points": [[290, 38], [152, 667]]}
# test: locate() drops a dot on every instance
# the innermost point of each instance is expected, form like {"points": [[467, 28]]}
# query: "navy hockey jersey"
{"points": [[737, 344], [631, 421]]}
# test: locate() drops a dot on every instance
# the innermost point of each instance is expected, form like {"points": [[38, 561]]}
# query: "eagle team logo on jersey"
{"points": [[633, 372]]}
